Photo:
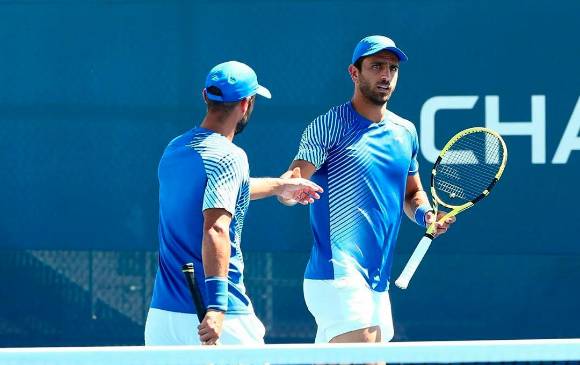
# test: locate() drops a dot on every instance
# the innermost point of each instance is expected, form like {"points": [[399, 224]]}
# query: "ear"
{"points": [[245, 104], [353, 72], [204, 95]]}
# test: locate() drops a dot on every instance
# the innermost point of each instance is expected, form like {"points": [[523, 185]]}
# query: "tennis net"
{"points": [[449, 352]]}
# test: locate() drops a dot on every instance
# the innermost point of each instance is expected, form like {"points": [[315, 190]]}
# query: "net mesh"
{"points": [[458, 352], [468, 167]]}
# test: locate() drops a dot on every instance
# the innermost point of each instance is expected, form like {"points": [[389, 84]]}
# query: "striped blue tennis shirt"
{"points": [[199, 170], [363, 168]]}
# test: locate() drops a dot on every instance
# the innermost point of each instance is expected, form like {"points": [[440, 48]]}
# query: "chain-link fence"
{"points": [[62, 298]]}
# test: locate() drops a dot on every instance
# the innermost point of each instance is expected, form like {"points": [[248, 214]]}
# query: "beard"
{"points": [[244, 121], [371, 94], [241, 126]]}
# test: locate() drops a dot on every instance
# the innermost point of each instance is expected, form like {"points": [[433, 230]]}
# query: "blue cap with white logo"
{"points": [[235, 81], [374, 44]]}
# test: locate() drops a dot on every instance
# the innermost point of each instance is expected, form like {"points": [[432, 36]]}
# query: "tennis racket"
{"points": [[189, 272], [467, 168]]}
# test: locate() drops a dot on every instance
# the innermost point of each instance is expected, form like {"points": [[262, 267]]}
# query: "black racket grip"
{"points": [[188, 271]]}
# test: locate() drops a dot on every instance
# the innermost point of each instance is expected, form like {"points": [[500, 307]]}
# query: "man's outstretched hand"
{"points": [[294, 189]]}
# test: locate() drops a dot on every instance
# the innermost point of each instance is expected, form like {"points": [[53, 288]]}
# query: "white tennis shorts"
{"points": [[175, 328], [344, 305]]}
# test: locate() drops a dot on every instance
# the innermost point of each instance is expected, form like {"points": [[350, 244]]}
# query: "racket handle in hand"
{"points": [[420, 251], [200, 310]]}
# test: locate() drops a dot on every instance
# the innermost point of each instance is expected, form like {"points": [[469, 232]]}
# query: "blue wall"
{"points": [[92, 91]]}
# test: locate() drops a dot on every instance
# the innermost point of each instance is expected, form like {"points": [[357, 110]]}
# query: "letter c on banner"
{"points": [[430, 108]]}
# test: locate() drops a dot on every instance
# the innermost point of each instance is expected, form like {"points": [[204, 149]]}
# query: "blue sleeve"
{"points": [[317, 139], [225, 175], [414, 166]]}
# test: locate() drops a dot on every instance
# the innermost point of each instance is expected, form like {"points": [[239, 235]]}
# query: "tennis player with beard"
{"points": [[204, 193], [364, 156]]}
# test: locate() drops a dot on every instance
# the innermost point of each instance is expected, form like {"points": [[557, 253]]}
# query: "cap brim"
{"points": [[263, 92], [402, 56]]}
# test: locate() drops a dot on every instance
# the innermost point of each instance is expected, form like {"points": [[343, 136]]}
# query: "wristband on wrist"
{"points": [[217, 293], [420, 214]]}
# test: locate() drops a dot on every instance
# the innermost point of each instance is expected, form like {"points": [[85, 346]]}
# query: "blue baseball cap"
{"points": [[235, 80], [374, 44]]}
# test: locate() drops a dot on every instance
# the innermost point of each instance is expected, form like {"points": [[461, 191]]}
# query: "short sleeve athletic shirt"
{"points": [[363, 168], [199, 170]]}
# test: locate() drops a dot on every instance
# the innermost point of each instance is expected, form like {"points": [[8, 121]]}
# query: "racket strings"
{"points": [[473, 151], [468, 167], [454, 191], [476, 185]]}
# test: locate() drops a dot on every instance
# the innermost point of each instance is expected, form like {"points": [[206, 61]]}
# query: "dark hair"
{"points": [[219, 106], [358, 63]]}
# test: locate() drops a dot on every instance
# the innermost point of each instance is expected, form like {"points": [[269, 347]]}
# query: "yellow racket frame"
{"points": [[456, 209]]}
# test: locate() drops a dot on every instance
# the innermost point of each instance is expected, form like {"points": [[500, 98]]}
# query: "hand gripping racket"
{"points": [[466, 170]]}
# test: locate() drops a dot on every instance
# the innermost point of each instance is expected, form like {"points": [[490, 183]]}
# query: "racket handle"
{"points": [[200, 310], [420, 251]]}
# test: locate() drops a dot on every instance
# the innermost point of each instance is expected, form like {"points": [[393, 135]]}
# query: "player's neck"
{"points": [[367, 109], [226, 127]]}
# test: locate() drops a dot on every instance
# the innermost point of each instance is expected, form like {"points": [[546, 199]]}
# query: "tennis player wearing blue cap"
{"points": [[365, 157], [204, 193]]}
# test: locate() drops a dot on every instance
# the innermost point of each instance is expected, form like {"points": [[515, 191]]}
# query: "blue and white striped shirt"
{"points": [[199, 170], [363, 168]]}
